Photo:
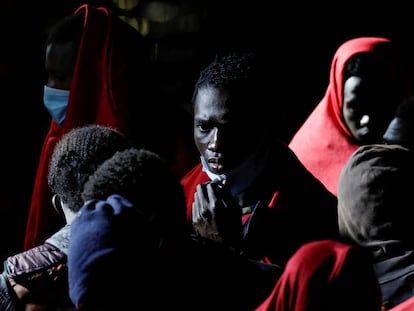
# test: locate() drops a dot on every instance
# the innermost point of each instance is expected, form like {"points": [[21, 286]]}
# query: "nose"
{"points": [[53, 83], [214, 141]]}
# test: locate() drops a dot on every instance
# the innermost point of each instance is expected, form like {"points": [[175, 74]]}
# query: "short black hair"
{"points": [[67, 29], [384, 62], [144, 178], [230, 71], [363, 65], [241, 74], [76, 156]]}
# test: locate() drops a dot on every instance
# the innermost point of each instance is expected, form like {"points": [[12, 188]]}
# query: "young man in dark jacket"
{"points": [[250, 191]]}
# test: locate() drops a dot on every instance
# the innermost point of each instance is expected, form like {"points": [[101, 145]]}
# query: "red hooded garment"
{"points": [[326, 275], [106, 87], [323, 143]]}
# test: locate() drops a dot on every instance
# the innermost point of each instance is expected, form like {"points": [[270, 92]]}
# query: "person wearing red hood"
{"points": [[366, 84], [98, 73]]}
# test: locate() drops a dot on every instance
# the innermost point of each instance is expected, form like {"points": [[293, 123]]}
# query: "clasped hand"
{"points": [[215, 214]]}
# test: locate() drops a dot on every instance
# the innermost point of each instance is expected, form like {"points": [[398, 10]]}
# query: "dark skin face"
{"points": [[223, 136], [367, 109], [59, 63]]}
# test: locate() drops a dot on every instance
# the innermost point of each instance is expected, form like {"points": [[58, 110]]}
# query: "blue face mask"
{"points": [[56, 102]]}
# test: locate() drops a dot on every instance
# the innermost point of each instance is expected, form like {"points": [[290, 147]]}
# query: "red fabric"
{"points": [[100, 94], [326, 275], [189, 182], [323, 143], [407, 305]]}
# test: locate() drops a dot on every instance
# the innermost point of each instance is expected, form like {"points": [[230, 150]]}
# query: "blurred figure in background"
{"points": [[401, 129], [98, 73], [366, 84], [375, 212]]}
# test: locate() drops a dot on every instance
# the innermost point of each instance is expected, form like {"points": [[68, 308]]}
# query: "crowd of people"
{"points": [[128, 213]]}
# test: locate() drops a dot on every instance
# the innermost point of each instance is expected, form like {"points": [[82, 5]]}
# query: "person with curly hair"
{"points": [[249, 191], [38, 276]]}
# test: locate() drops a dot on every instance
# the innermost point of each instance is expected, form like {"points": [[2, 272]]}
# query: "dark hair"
{"points": [[241, 74], [229, 71], [77, 154], [384, 62], [67, 29], [363, 65], [145, 179], [406, 110]]}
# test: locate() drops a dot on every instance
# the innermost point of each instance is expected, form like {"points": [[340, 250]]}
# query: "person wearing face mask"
{"points": [[98, 69], [366, 83], [61, 51], [56, 102], [77, 68]]}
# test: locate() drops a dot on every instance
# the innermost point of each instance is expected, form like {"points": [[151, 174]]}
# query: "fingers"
{"points": [[200, 208], [211, 198]]}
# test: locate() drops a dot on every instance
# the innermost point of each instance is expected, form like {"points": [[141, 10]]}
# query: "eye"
{"points": [[203, 126]]}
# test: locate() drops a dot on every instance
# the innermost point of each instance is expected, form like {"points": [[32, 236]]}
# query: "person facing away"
{"points": [[249, 191], [127, 233], [98, 72], [400, 130], [39, 275], [326, 275], [366, 84], [374, 211]]}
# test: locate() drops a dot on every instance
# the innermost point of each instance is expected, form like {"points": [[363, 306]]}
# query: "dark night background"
{"points": [[298, 39]]}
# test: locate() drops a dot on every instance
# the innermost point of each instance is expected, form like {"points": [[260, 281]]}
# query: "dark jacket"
{"points": [[41, 270], [396, 274], [289, 206]]}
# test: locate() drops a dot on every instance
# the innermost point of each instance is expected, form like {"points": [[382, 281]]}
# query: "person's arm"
{"points": [[38, 276]]}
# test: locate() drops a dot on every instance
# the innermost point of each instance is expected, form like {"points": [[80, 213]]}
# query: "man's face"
{"points": [[367, 109], [60, 63], [221, 133]]}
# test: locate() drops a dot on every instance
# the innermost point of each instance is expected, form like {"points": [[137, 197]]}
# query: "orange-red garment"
{"points": [[326, 275], [102, 91], [323, 143]]}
